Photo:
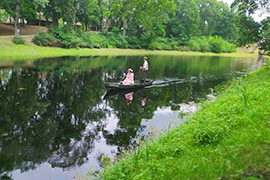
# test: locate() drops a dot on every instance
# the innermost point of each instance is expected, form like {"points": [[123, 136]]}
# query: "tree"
{"points": [[186, 20], [58, 9], [216, 19], [247, 30], [265, 36], [89, 13], [17, 30], [249, 7], [145, 12], [21, 9], [251, 31]]}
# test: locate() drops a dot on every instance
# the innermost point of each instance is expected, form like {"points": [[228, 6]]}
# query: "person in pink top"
{"points": [[129, 78]]}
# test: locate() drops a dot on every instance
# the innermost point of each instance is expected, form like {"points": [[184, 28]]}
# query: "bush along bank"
{"points": [[229, 138], [67, 38]]}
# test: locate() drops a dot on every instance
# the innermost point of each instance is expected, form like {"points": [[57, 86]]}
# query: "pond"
{"points": [[57, 122]]}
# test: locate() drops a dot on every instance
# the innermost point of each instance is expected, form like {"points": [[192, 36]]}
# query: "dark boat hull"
{"points": [[117, 86], [114, 93]]}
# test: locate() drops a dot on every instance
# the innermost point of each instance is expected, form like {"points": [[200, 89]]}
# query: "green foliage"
{"points": [[243, 91], [247, 30], [163, 44], [199, 44], [105, 161], [208, 135], [99, 41], [133, 42], [117, 40], [3, 15], [265, 36], [250, 6], [146, 14], [216, 44], [66, 38], [86, 39], [18, 40], [46, 39], [186, 20], [216, 19], [213, 44]]}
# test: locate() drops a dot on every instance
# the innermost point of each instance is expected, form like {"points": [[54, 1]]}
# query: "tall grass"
{"points": [[228, 138]]}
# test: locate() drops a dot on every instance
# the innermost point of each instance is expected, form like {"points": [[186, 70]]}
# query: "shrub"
{"points": [[213, 44], [68, 40], [218, 45], [194, 45], [230, 47], [18, 40], [86, 39], [133, 42], [46, 39], [66, 36], [117, 40], [100, 41], [204, 44], [163, 44]]}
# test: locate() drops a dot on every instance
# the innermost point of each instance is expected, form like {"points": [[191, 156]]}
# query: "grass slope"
{"points": [[8, 29], [228, 138]]}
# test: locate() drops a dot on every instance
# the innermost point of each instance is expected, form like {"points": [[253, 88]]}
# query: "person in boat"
{"points": [[144, 68], [129, 80]]}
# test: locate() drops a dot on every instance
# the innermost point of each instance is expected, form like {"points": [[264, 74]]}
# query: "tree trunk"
{"points": [[107, 25], [54, 15], [17, 30], [39, 19], [124, 27], [74, 12]]}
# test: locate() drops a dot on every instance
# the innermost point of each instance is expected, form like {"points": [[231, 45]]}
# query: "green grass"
{"points": [[12, 52], [228, 138]]}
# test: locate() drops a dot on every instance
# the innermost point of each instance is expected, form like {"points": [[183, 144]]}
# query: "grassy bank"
{"points": [[228, 138], [11, 52]]}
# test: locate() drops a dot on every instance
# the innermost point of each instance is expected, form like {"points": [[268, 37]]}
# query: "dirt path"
{"points": [[23, 36], [8, 39]]}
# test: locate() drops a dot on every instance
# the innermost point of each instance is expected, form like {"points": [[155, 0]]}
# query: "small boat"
{"points": [[118, 86]]}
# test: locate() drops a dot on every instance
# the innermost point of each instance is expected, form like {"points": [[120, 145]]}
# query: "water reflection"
{"points": [[129, 97], [143, 99], [58, 112]]}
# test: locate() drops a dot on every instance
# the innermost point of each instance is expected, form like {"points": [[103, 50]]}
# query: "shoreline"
{"points": [[11, 52]]}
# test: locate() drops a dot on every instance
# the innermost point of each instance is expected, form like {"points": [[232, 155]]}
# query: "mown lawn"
{"points": [[228, 138], [12, 52]]}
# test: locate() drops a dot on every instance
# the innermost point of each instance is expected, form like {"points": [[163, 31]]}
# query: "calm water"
{"points": [[56, 121]]}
